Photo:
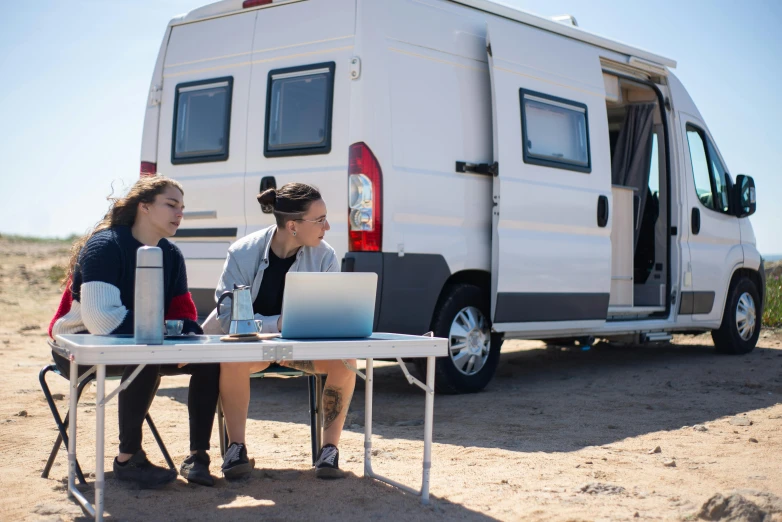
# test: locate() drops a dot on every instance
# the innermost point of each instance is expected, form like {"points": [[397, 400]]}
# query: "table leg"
{"points": [[100, 416], [74, 402], [368, 471], [428, 421], [368, 418]]}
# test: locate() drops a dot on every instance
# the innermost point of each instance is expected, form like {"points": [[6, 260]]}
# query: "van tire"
{"points": [[741, 309], [448, 378]]}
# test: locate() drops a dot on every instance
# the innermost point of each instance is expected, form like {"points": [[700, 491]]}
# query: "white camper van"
{"points": [[505, 175]]}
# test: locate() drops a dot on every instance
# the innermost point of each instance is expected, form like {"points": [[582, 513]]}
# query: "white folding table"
{"points": [[98, 351]]}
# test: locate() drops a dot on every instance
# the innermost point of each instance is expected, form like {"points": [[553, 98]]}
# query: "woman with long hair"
{"points": [[98, 299], [261, 260]]}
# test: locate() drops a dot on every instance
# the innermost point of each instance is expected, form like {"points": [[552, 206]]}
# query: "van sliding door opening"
{"points": [[640, 235]]}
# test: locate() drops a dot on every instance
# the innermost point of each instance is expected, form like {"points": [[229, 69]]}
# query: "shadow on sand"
{"points": [[542, 391]]}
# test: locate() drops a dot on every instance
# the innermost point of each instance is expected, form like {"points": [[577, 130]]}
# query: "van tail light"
{"points": [[365, 201], [255, 3], [148, 168]]}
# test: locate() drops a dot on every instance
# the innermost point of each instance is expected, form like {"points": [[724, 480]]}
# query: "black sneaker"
{"points": [[142, 472], [236, 465], [327, 463], [195, 469]]}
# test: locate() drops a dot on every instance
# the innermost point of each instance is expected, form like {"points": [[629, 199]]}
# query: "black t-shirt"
{"points": [[269, 300]]}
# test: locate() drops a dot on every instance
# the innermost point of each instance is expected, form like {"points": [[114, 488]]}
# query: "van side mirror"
{"points": [[744, 196]]}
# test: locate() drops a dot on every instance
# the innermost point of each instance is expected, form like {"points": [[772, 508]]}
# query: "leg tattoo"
{"points": [[332, 405]]}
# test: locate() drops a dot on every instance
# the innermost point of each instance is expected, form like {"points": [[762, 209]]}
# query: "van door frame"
{"points": [[673, 231]]}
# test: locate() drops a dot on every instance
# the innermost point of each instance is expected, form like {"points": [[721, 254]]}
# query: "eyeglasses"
{"points": [[322, 221]]}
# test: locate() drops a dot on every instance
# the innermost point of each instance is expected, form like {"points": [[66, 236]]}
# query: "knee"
{"points": [[341, 370], [150, 373], [346, 365], [233, 369]]}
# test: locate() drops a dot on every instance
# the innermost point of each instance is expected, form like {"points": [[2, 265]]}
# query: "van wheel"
{"points": [[463, 318], [740, 328]]}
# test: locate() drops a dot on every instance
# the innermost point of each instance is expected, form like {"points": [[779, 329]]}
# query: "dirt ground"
{"points": [[560, 434]]}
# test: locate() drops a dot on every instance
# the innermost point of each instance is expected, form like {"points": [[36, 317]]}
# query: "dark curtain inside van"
{"points": [[633, 156]]}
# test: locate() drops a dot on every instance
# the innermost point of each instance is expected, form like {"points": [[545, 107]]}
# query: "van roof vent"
{"points": [[566, 19]]}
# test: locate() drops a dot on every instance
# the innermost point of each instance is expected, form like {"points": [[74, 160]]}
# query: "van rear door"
{"points": [[201, 143], [299, 108], [551, 246]]}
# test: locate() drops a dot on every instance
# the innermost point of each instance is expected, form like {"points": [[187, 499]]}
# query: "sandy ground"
{"points": [[560, 434]]}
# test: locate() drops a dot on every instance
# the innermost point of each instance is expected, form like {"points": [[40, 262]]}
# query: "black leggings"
{"points": [[134, 402]]}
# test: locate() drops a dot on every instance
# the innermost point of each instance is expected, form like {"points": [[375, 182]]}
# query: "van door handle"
{"points": [[696, 220], [602, 211], [267, 182]]}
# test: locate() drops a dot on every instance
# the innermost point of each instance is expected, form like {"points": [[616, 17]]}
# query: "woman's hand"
{"points": [[279, 323], [190, 327]]}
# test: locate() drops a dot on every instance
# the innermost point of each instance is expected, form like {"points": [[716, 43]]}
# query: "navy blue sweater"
{"points": [[103, 285]]}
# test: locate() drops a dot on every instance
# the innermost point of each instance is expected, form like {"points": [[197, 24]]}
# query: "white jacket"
{"points": [[246, 262]]}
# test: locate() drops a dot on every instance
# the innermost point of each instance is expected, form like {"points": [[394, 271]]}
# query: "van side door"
{"points": [[551, 245]]}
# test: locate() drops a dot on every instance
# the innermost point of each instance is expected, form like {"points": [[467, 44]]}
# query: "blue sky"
{"points": [[76, 73]]}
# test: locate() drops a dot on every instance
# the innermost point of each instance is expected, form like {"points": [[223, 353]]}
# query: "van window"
{"points": [[298, 110], [712, 183], [202, 121], [555, 132], [722, 179]]}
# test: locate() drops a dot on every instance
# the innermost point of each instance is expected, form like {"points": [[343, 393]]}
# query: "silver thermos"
{"points": [[148, 296]]}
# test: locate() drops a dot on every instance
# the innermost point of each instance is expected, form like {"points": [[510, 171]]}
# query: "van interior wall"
{"points": [[650, 217]]}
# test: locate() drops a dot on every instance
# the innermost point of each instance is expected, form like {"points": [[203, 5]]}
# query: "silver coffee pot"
{"points": [[243, 320]]}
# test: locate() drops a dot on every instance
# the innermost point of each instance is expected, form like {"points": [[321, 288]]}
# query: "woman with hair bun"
{"points": [[260, 261]]}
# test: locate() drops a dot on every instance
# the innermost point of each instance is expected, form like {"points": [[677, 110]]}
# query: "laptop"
{"points": [[328, 305]]}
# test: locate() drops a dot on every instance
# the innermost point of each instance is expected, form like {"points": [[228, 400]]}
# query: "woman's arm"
{"points": [[271, 323], [232, 275], [100, 298], [182, 305]]}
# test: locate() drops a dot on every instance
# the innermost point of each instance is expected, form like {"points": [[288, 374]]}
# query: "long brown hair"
{"points": [[123, 211]]}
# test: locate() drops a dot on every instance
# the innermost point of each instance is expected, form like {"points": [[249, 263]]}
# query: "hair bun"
{"points": [[268, 199]]}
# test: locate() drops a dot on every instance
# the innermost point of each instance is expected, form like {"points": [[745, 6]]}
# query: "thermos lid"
{"points": [[149, 257]]}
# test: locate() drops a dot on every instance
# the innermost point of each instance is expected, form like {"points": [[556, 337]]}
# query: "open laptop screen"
{"points": [[328, 305]]}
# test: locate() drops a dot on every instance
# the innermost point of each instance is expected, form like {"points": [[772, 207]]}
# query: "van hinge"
{"points": [[355, 68], [155, 95]]}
